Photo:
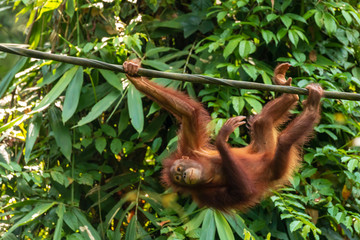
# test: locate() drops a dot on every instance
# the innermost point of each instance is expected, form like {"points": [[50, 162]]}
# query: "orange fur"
{"points": [[236, 178]]}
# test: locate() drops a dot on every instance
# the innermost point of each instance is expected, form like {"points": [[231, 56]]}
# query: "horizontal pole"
{"points": [[176, 76]]}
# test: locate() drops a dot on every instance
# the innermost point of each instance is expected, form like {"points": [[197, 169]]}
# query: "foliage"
{"points": [[81, 149]]}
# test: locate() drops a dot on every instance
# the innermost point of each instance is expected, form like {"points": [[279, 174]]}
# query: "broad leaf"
{"points": [[5, 82], [72, 95], [39, 209], [223, 227], [100, 107], [58, 88], [135, 109], [61, 133], [32, 134]]}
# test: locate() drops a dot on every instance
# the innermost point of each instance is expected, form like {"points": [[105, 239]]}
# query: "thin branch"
{"points": [[176, 76]]}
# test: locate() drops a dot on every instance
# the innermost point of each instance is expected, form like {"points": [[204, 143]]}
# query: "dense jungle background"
{"points": [[81, 148]]}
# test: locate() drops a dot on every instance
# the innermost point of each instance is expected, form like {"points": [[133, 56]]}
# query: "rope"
{"points": [[176, 76]]}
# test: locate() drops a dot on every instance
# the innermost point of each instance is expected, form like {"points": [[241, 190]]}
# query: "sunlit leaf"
{"points": [[230, 47], [293, 36], [250, 70], [222, 226], [208, 226], [246, 48], [287, 21], [49, 5], [329, 23], [295, 225]]}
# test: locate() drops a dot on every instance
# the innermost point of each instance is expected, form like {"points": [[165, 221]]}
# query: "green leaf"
{"points": [[72, 95], [9, 236], [135, 109], [100, 107], [286, 21], [357, 226], [100, 144], [49, 5], [223, 227], [86, 179], [296, 17], [300, 57], [112, 79], [270, 17], [238, 104], [352, 164], [156, 144], [58, 177], [54, 74], [295, 225], [346, 16], [195, 222], [60, 212], [309, 13], [219, 123], [158, 65], [268, 36], [39, 209], [58, 88], [329, 23], [221, 15], [250, 70], [246, 48], [255, 104], [123, 121], [319, 20], [70, 8], [32, 134], [308, 172], [230, 47], [293, 36], [108, 130], [155, 50], [61, 133], [71, 220], [116, 146], [266, 78], [281, 33], [6, 80], [208, 226], [238, 225], [324, 186], [86, 229], [356, 16], [131, 229]]}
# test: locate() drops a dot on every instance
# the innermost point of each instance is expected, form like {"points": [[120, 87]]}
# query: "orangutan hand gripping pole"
{"points": [[224, 177]]}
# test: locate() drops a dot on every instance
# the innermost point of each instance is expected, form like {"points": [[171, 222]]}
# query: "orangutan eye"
{"points": [[178, 178], [179, 169]]}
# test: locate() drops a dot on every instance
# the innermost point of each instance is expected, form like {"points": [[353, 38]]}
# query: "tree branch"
{"points": [[176, 76]]}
